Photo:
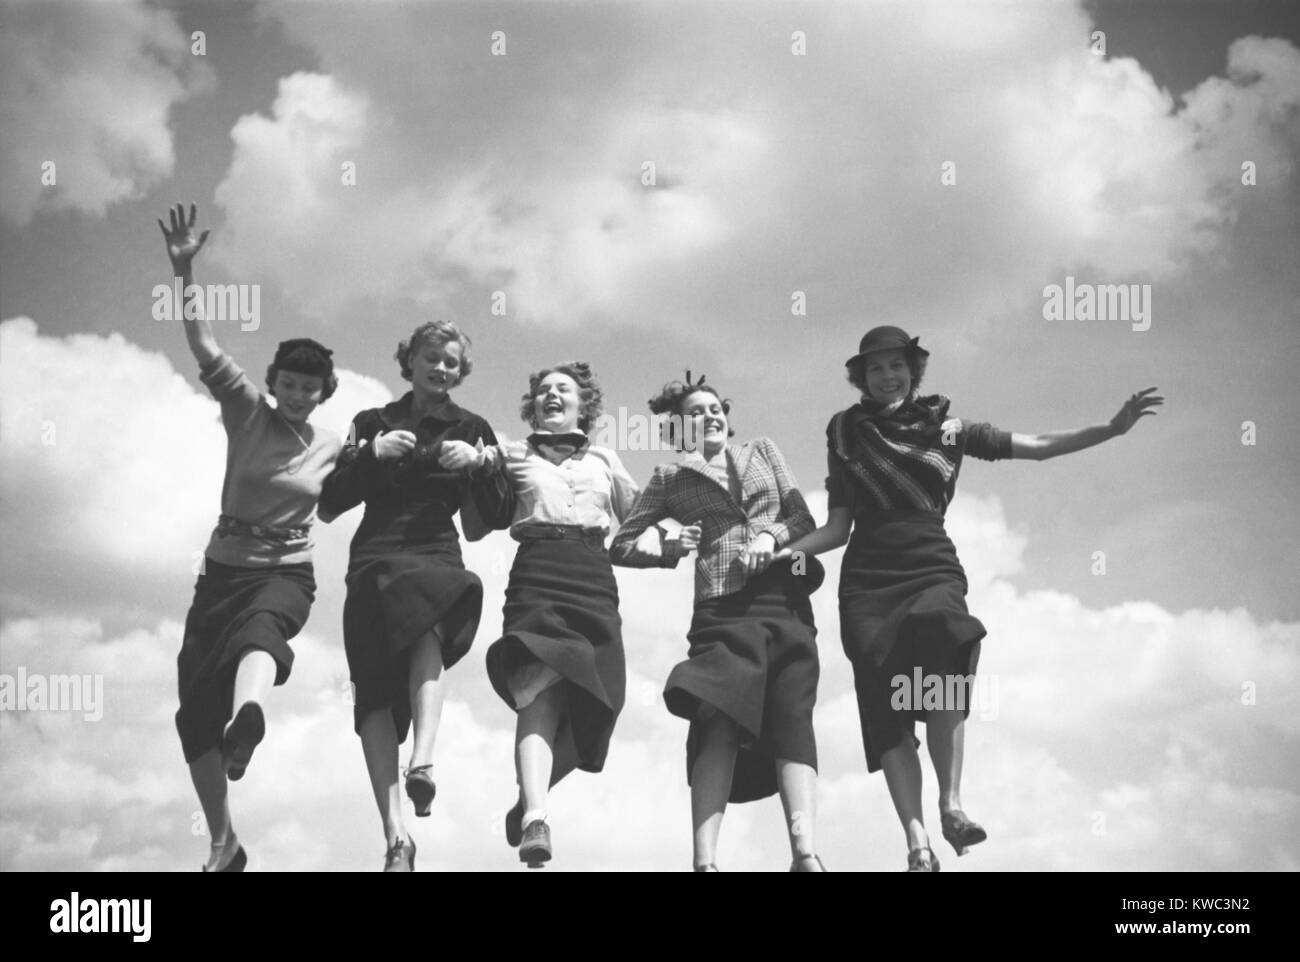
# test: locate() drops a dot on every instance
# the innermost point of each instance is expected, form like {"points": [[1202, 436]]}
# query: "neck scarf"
{"points": [[556, 448], [899, 455]]}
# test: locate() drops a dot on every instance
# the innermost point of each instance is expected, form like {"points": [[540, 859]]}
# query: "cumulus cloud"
{"points": [[88, 87], [797, 172]]}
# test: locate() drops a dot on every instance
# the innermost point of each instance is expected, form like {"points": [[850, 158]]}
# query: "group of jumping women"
{"points": [[748, 684]]}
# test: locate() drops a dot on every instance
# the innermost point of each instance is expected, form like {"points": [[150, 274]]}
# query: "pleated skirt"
{"points": [[561, 626]]}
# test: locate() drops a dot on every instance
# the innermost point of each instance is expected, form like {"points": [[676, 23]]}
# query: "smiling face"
{"points": [[556, 404], [435, 367], [704, 423], [297, 394], [888, 377]]}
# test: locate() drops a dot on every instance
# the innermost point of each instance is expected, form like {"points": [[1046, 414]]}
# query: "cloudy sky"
{"points": [[1165, 685]]}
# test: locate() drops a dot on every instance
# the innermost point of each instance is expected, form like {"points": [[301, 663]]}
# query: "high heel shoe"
{"points": [[922, 860], [959, 831], [535, 848], [798, 864], [401, 856], [244, 733], [420, 788], [236, 864]]}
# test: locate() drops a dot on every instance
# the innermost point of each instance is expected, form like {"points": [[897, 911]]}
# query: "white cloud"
{"points": [[89, 87]]}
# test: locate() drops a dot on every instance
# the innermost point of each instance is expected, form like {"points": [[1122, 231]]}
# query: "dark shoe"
{"points": [[244, 733], [236, 864], [707, 868], [798, 864], [515, 825], [401, 857], [535, 847], [960, 831], [922, 860], [420, 788]]}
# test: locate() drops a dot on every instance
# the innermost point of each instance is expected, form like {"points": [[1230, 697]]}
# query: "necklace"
{"points": [[291, 468]]}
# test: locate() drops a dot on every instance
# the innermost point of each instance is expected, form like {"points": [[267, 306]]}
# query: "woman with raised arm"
{"points": [[559, 662], [893, 460], [256, 586], [749, 682], [412, 609]]}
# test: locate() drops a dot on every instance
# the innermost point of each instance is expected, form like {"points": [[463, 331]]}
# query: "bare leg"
{"points": [[210, 783], [711, 782], [254, 678], [427, 691], [535, 730], [945, 736], [379, 743], [798, 785], [903, 776]]}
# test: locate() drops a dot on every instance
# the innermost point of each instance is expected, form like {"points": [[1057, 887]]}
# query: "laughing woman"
{"points": [[749, 682], [412, 609], [893, 460], [559, 662], [256, 586]]}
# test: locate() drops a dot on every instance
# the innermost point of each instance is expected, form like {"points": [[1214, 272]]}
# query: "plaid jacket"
{"points": [[770, 501]]}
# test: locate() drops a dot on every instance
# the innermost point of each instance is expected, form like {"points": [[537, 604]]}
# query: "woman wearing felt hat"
{"points": [[256, 586], [749, 681], [893, 460], [559, 663], [412, 609]]}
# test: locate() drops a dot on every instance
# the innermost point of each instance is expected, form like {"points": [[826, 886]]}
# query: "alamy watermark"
{"points": [[1098, 302], [220, 302], [918, 692], [24, 692]]}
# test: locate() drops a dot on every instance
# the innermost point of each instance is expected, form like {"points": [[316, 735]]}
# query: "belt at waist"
{"points": [[535, 531], [233, 527]]}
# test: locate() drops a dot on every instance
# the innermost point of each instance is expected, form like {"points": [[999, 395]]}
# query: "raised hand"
{"points": [[182, 245], [1137, 406]]}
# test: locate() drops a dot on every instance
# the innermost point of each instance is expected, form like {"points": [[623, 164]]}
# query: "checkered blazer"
{"points": [[770, 501]]}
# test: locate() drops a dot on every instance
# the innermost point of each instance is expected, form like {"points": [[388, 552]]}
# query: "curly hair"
{"points": [[590, 396], [435, 332], [673, 395], [856, 371]]}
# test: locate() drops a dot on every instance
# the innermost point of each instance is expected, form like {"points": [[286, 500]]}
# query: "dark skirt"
{"points": [[562, 610], [753, 657], [235, 610], [396, 597], [903, 608]]}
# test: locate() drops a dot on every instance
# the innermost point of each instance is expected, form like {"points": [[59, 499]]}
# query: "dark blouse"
{"points": [[870, 468], [409, 500]]}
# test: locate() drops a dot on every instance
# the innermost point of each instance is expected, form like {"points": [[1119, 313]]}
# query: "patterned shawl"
{"points": [[902, 458]]}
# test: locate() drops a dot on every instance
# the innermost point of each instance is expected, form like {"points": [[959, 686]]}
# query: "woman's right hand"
{"points": [[182, 245], [689, 537], [393, 445]]}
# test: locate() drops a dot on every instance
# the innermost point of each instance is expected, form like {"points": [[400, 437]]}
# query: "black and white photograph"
{"points": [[659, 436]]}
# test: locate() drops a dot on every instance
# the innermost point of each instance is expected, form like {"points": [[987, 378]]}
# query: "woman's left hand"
{"points": [[1139, 405], [458, 455], [758, 553]]}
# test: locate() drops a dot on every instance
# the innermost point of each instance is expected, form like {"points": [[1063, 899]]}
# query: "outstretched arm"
{"points": [[1040, 447], [182, 245]]}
